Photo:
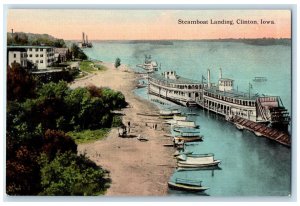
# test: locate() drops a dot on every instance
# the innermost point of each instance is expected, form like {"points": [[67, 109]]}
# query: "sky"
{"points": [[99, 24]]}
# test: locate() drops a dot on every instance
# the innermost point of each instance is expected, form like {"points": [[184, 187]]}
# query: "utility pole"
{"points": [[12, 36]]}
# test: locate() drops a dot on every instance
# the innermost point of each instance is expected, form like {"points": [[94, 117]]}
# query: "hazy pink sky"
{"points": [[147, 24]]}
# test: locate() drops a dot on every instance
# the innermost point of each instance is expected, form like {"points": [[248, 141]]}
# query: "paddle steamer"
{"points": [[220, 98]]}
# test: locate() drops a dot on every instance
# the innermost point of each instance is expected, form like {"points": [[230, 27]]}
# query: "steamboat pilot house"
{"points": [[224, 100], [175, 88]]}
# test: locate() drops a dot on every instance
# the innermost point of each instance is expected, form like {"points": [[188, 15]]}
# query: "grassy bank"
{"points": [[91, 66], [87, 136]]}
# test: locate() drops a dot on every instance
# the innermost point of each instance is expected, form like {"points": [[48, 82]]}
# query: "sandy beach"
{"points": [[136, 168]]}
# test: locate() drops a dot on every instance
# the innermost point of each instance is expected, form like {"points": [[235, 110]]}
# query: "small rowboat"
{"points": [[184, 164], [188, 139], [240, 127], [197, 160], [188, 185]]}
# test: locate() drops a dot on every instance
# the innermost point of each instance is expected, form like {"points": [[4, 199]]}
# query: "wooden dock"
{"points": [[262, 130]]}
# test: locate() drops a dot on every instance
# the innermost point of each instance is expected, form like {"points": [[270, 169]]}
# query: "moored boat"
{"points": [[197, 160], [169, 112], [185, 164], [185, 130], [221, 98], [258, 134], [179, 169], [187, 184], [188, 139], [187, 135], [186, 124], [149, 65], [180, 117], [240, 127]]}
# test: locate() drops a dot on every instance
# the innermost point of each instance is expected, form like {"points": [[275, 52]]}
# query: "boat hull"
{"points": [[191, 188], [184, 164], [216, 167], [189, 139]]}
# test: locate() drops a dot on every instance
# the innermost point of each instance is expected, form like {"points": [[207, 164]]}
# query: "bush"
{"points": [[117, 62], [69, 174], [117, 121]]}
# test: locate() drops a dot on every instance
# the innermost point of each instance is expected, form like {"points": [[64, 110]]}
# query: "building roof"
{"points": [[16, 49], [226, 79], [179, 80], [63, 51], [31, 46]]}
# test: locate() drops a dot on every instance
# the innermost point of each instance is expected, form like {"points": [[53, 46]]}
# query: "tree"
{"points": [[69, 174], [57, 142], [77, 52], [22, 172], [54, 90], [20, 39], [117, 62], [20, 84]]}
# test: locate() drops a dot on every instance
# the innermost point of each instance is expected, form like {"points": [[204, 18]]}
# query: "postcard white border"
{"points": [[294, 111]]}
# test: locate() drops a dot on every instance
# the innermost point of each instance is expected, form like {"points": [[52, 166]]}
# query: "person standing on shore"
{"points": [[129, 127]]}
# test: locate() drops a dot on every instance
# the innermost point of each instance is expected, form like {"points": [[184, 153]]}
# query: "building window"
{"points": [[41, 55], [30, 55], [30, 49], [15, 55], [36, 49], [41, 49], [37, 61], [36, 55], [41, 61]]}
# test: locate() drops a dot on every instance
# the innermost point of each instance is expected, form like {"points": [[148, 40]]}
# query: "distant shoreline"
{"points": [[254, 41]]}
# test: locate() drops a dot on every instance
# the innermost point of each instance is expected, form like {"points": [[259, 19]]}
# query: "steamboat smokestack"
{"points": [[208, 78], [83, 41], [220, 74], [86, 36]]}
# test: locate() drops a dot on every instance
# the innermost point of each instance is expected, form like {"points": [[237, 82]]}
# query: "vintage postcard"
{"points": [[104, 102]]}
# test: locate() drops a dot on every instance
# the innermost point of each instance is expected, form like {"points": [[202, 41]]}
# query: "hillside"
{"points": [[21, 38]]}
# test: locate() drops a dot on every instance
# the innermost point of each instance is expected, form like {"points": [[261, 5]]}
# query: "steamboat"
{"points": [[220, 98], [85, 43], [149, 65]]}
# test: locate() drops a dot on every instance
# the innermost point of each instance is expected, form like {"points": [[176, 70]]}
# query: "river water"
{"points": [[251, 165]]}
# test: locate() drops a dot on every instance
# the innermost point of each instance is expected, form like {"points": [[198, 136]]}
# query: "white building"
{"points": [[41, 56], [17, 55]]}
